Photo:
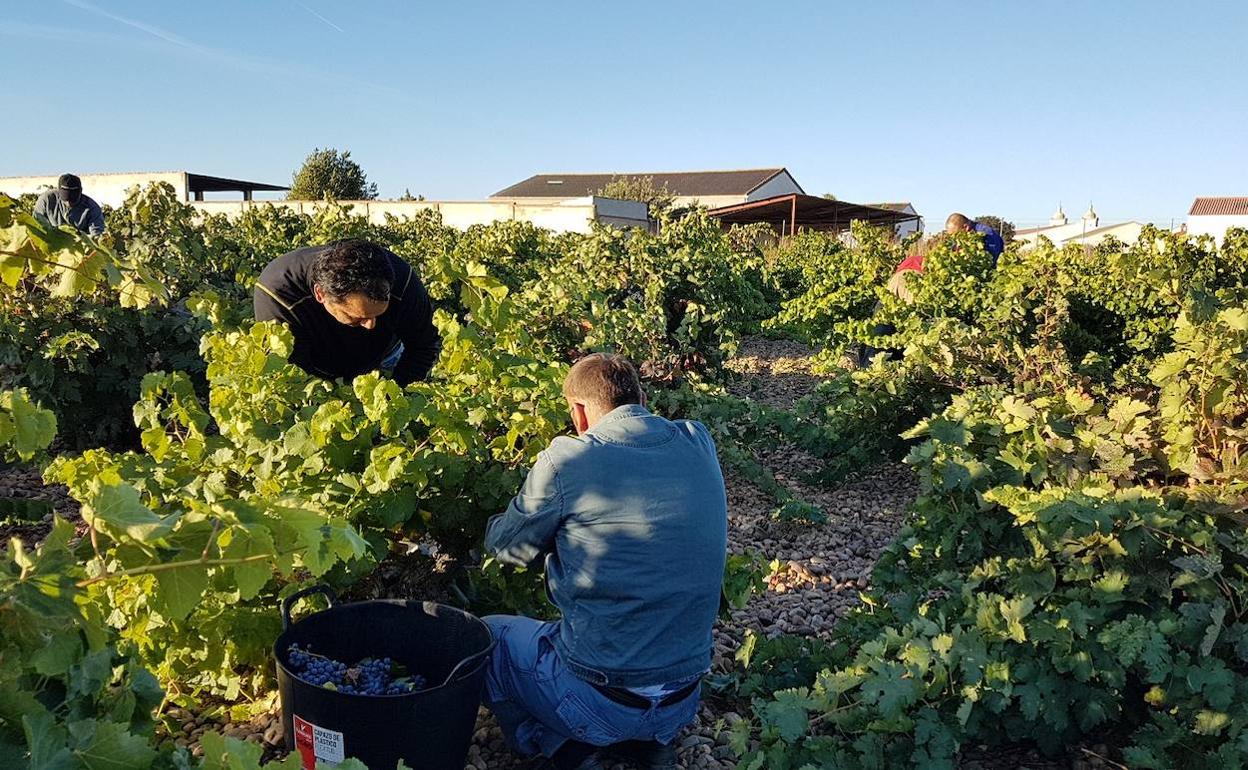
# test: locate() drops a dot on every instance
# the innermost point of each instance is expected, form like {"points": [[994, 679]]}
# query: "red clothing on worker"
{"points": [[912, 262], [897, 284]]}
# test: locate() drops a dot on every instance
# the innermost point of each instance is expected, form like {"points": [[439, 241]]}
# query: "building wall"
{"points": [[1059, 234], [780, 184], [1214, 225], [105, 189], [710, 201], [576, 215], [906, 229], [1127, 232]]}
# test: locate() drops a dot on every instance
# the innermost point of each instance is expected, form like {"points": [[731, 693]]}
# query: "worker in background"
{"points": [[994, 244], [898, 285], [353, 307], [66, 205], [632, 519]]}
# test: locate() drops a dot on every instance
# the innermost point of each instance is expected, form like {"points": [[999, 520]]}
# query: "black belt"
{"points": [[633, 700]]}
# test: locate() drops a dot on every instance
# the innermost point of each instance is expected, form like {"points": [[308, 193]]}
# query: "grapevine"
{"points": [[1078, 421]]}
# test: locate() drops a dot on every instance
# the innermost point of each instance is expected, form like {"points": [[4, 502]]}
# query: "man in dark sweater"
{"points": [[354, 307], [66, 205]]}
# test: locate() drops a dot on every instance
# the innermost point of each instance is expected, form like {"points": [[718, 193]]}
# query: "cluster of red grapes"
{"points": [[371, 676]]}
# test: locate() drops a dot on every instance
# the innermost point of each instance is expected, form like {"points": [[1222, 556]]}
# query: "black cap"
{"points": [[69, 188]]}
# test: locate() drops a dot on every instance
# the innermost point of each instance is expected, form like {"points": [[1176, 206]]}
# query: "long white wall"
{"points": [[576, 215], [1214, 225], [710, 201], [105, 189]]}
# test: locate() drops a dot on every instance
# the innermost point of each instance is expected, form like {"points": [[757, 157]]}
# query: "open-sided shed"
{"points": [[789, 214], [198, 184]]}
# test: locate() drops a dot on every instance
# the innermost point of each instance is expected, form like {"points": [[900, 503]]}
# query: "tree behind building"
{"points": [[329, 174], [1003, 227], [639, 188]]}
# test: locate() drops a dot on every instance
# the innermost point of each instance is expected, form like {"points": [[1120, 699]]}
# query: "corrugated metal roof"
{"points": [[1219, 207], [685, 183]]}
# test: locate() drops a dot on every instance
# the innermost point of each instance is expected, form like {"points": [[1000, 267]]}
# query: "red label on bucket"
{"points": [[317, 744]]}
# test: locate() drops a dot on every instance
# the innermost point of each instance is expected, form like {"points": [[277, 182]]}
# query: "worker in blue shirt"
{"points": [[630, 518], [993, 243]]}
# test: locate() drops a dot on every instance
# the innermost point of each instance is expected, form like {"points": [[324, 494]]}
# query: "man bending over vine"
{"points": [[354, 307]]}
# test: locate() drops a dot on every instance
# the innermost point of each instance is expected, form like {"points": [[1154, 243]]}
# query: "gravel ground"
{"points": [[773, 372], [24, 482]]}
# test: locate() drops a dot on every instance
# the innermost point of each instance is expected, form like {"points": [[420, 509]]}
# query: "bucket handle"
{"points": [[470, 659], [289, 601]]}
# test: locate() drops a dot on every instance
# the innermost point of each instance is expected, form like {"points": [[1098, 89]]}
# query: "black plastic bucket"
{"points": [[430, 729]]}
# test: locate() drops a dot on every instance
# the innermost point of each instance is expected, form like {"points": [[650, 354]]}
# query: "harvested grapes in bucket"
{"points": [[370, 676]]}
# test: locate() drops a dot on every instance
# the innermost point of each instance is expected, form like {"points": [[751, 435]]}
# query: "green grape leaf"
{"points": [[180, 590], [1211, 722], [47, 741], [33, 428], [222, 753], [250, 577], [1014, 611], [111, 747], [58, 655], [788, 713], [117, 510], [81, 272]]}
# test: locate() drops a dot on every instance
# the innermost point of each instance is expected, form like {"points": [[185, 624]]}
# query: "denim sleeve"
{"points": [[526, 530], [702, 436]]}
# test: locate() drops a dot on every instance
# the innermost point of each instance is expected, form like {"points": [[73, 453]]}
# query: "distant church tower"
{"points": [[1059, 217], [1090, 219]]}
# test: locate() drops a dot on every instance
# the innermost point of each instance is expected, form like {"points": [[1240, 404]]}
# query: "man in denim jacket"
{"points": [[631, 517]]}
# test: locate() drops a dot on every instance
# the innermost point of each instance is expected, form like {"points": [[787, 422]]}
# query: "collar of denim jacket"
{"points": [[620, 413]]}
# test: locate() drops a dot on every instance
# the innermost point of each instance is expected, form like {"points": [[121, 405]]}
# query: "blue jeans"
{"points": [[540, 704]]}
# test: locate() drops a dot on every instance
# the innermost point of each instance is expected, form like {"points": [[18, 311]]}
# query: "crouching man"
{"points": [[631, 517]]}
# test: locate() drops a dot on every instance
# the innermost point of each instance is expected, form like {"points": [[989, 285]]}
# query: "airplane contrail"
{"points": [[225, 56], [322, 18], [150, 29]]}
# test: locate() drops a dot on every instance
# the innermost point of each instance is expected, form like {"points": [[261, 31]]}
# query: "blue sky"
{"points": [[1004, 108]]}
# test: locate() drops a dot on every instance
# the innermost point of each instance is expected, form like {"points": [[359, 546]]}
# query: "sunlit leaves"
{"points": [[25, 428]]}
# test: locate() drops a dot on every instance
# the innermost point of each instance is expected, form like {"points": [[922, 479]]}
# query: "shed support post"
{"points": [[246, 195], [793, 216], [199, 195]]}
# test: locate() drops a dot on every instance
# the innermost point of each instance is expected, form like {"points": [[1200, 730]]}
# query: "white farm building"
{"points": [[1213, 216], [713, 189], [1087, 230], [910, 226]]}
